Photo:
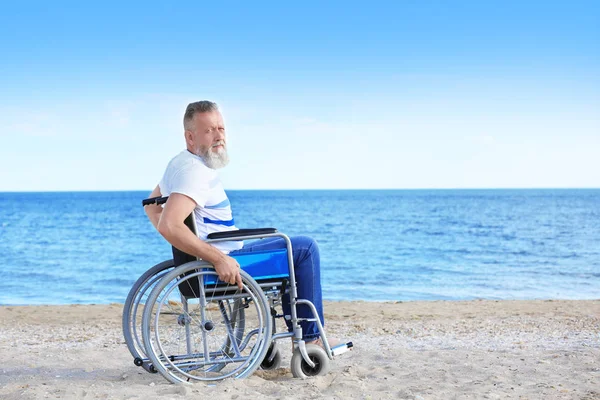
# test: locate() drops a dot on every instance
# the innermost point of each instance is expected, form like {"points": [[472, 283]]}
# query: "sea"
{"points": [[375, 245]]}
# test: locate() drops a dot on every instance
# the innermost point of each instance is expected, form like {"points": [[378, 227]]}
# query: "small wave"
{"points": [[436, 233], [442, 271], [114, 282], [480, 233], [411, 230], [34, 276], [583, 275], [479, 225], [490, 262], [520, 253], [460, 251], [571, 256]]}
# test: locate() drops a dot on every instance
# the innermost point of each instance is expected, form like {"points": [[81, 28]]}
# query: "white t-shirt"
{"points": [[186, 174]]}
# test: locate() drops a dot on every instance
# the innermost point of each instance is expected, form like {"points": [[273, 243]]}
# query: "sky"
{"points": [[315, 95]]}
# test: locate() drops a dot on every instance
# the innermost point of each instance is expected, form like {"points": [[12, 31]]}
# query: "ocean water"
{"points": [[90, 247]]}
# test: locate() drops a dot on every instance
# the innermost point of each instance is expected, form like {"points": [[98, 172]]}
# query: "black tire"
{"points": [[273, 358]]}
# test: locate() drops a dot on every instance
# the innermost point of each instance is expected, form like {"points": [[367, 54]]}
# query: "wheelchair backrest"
{"points": [[180, 257]]}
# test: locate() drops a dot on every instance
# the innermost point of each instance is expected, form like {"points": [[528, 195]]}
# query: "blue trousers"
{"points": [[307, 268]]}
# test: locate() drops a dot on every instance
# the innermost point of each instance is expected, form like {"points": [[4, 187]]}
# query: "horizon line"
{"points": [[311, 189]]}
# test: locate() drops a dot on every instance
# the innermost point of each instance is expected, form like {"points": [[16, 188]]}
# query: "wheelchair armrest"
{"points": [[241, 232], [155, 200]]}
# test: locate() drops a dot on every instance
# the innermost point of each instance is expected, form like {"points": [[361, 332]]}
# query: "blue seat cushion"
{"points": [[268, 265], [261, 265]]}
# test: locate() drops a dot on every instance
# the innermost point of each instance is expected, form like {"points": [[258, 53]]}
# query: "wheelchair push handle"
{"points": [[155, 200]]}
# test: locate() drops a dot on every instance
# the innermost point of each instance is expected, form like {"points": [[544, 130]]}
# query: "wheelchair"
{"points": [[181, 321]]}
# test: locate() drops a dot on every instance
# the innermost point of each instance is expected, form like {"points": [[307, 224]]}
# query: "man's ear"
{"points": [[189, 137]]}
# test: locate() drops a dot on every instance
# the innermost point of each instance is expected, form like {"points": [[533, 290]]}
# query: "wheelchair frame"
{"points": [[307, 359]]}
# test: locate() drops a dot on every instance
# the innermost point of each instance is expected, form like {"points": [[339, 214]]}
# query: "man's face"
{"points": [[206, 139]]}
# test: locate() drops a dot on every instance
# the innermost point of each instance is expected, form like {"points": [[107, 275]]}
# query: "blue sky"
{"points": [[406, 94]]}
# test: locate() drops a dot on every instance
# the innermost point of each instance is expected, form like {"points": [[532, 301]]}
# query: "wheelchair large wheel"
{"points": [[134, 307], [197, 327]]}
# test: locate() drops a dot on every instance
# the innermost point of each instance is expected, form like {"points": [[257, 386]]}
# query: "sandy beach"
{"points": [[405, 350]]}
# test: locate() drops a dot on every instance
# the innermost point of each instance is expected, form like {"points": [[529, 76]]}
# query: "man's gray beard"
{"points": [[214, 160]]}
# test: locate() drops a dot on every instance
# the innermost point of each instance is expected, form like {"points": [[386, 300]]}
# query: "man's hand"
{"points": [[228, 270]]}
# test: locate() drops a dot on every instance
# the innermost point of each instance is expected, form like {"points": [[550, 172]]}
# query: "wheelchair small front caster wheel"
{"points": [[272, 360], [300, 369], [138, 362]]}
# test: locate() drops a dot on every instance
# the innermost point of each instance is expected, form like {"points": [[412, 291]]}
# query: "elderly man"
{"points": [[192, 184]]}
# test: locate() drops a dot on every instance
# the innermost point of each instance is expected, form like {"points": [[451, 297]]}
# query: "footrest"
{"points": [[341, 348]]}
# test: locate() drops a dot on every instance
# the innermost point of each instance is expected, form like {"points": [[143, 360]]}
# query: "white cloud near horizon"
{"points": [[125, 143]]}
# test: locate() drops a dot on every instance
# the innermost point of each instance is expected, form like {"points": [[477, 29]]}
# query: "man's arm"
{"points": [[153, 211], [171, 226]]}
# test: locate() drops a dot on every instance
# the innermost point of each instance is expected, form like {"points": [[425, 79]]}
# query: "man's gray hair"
{"points": [[197, 108]]}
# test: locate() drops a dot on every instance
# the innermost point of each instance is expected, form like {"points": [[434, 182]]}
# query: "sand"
{"points": [[412, 350]]}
